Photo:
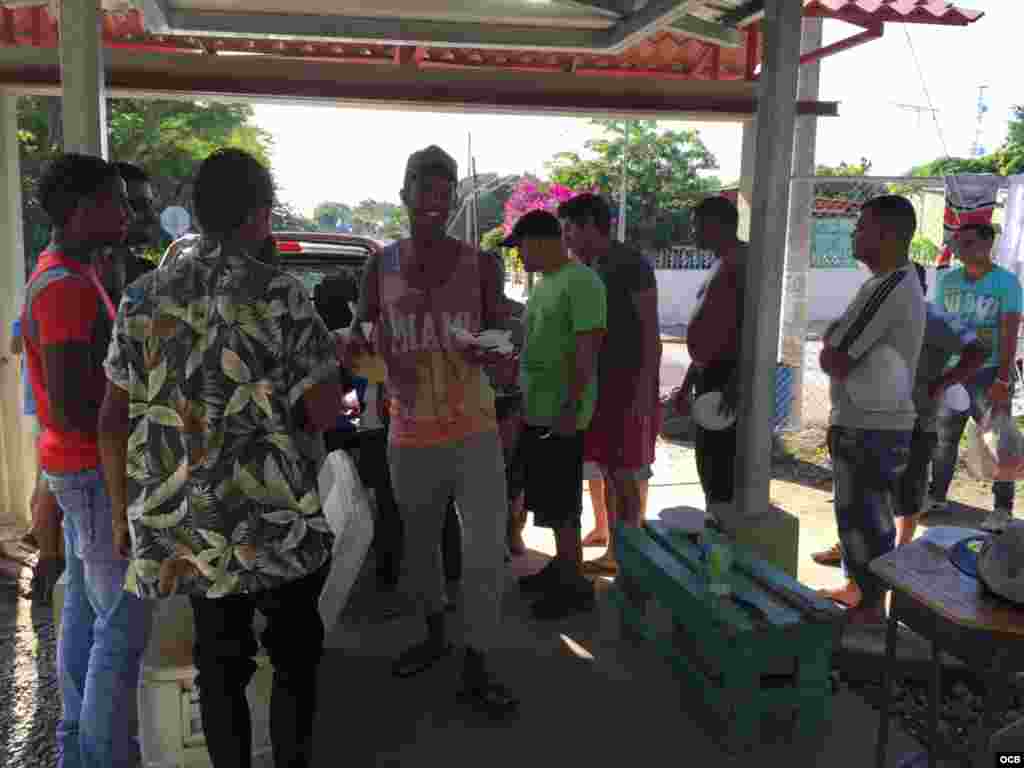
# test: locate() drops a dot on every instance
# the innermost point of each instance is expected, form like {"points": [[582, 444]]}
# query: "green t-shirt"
{"points": [[561, 305]]}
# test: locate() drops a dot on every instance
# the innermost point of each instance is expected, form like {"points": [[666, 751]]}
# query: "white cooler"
{"points": [[170, 727]]}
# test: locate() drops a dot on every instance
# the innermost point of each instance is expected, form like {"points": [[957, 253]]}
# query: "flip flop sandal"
{"points": [[491, 699], [599, 568], [419, 659]]}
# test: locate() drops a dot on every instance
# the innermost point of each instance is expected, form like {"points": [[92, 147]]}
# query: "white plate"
{"points": [[705, 412], [493, 340], [956, 398]]}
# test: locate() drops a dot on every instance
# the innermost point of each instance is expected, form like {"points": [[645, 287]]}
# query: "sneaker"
{"points": [[542, 580], [997, 520], [831, 556], [564, 601]]}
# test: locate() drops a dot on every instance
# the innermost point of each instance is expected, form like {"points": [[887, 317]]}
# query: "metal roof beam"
{"points": [[641, 24], [262, 78], [707, 31], [384, 31], [627, 31], [613, 9]]}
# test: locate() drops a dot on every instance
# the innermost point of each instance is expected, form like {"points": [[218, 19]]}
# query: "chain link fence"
{"points": [[834, 275]]}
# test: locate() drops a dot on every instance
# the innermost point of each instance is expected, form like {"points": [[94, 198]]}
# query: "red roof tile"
{"points": [[666, 54], [899, 11]]}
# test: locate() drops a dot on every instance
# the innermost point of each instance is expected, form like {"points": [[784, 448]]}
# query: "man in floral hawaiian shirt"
{"points": [[222, 377]]}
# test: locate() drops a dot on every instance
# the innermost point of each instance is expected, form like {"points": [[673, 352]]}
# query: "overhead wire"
{"points": [[934, 113]]}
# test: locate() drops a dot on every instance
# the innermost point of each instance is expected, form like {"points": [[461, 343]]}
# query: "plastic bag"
{"points": [[995, 448], [347, 508]]}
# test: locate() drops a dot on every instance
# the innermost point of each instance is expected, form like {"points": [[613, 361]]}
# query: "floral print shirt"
{"points": [[216, 352]]}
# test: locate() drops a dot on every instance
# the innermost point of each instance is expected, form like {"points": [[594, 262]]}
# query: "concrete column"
{"points": [[745, 198], [17, 456], [776, 114], [83, 93], [798, 252]]}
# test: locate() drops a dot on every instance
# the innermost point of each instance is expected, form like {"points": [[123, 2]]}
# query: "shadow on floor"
{"points": [[956, 514]]}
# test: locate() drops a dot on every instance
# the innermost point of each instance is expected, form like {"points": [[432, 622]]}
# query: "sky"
{"points": [[348, 155]]}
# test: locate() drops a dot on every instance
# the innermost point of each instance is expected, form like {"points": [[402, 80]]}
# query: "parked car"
{"points": [[309, 256], [312, 258]]}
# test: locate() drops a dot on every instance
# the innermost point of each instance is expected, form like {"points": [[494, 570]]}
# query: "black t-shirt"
{"points": [[624, 271], [135, 267]]}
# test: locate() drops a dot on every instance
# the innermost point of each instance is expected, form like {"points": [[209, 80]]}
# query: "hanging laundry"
{"points": [[970, 199], [1010, 251]]}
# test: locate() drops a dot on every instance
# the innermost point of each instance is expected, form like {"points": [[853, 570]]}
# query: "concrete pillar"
{"points": [[17, 456], [83, 93], [745, 198], [798, 251], [776, 114]]}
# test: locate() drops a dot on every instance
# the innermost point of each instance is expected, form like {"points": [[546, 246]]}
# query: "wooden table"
{"points": [[934, 598]]}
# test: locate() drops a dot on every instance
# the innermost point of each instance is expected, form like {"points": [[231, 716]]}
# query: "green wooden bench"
{"points": [[768, 650]]}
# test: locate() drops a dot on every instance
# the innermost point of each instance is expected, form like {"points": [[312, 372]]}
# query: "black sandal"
{"points": [[491, 699], [420, 658]]}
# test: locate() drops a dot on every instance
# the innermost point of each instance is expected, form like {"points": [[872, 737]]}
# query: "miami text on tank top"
{"points": [[436, 396]]}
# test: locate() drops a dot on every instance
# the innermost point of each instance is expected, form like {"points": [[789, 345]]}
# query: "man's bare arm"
{"points": [[646, 305], [368, 306], [65, 367], [493, 292], [584, 367], [1009, 331], [971, 360], [322, 404], [114, 423]]}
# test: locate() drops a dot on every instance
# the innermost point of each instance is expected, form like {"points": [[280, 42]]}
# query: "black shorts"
{"points": [[913, 486], [507, 405], [550, 471]]}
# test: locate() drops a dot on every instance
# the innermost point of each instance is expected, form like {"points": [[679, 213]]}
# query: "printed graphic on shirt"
{"points": [[215, 353], [416, 332]]}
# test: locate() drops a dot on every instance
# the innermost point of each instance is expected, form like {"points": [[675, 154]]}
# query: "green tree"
{"points": [[329, 215], [844, 191], [1005, 161], [284, 218], [167, 138], [663, 172], [374, 218], [496, 191]]}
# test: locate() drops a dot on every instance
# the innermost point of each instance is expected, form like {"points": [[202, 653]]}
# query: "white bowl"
{"points": [[956, 398], [705, 412]]}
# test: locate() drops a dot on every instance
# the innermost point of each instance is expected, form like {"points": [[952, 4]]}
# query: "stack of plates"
{"points": [[494, 340]]}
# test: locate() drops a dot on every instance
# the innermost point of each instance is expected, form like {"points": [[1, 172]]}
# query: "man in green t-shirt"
{"points": [[564, 325]]}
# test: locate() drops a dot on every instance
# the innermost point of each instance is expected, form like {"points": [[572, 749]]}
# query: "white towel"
{"points": [[1010, 253]]}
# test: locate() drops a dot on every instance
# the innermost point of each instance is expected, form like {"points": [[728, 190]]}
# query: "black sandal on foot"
{"points": [[491, 699], [420, 658]]}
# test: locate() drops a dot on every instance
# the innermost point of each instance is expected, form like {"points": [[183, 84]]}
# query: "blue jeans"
{"points": [[868, 466], [103, 634], [951, 428]]}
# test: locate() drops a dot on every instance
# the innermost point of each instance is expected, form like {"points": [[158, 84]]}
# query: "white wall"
{"points": [[829, 291]]}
